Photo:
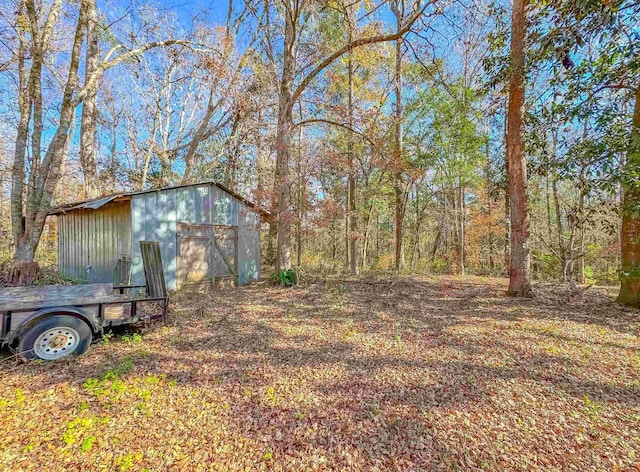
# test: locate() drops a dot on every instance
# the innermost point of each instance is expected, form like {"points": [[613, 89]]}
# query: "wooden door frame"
{"points": [[183, 227]]}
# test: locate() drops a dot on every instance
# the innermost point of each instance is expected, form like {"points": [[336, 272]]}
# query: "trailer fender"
{"points": [[44, 313]]}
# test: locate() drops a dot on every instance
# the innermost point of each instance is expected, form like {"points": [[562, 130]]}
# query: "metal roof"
{"points": [[96, 203], [88, 204]]}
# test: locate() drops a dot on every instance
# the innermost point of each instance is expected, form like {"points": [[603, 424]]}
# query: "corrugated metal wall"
{"points": [[248, 245], [91, 241], [154, 216]]}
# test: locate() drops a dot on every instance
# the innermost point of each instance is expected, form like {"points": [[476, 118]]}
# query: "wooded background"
{"points": [[377, 132]]}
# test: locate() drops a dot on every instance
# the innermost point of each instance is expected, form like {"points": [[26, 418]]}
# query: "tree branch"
{"points": [[336, 123], [92, 82], [354, 44]]}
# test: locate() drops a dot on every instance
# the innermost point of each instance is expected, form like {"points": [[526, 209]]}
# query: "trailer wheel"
{"points": [[55, 337]]}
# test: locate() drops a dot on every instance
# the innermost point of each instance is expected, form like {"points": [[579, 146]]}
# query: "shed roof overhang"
{"points": [[96, 203]]}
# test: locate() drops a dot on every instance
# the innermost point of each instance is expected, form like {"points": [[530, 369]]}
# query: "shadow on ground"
{"points": [[407, 374]]}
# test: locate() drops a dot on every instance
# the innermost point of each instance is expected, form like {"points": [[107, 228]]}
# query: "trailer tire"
{"points": [[55, 337]]}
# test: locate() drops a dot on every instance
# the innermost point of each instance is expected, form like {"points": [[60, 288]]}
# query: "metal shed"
{"points": [[207, 234]]}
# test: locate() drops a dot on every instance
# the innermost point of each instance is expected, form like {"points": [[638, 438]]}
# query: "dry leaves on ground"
{"points": [[372, 374]]}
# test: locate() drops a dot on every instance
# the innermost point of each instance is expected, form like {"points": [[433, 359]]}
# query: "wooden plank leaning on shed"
{"points": [[153, 270]]}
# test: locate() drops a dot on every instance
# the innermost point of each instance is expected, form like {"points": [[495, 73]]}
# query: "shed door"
{"points": [[225, 256], [194, 261], [206, 254]]}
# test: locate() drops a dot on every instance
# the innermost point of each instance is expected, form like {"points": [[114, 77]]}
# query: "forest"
{"points": [[459, 137], [448, 190]]}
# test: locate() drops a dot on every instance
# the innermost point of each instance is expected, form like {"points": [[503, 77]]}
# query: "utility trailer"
{"points": [[53, 321]]}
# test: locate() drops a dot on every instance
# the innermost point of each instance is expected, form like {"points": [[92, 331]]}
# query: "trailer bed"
{"points": [[100, 305], [57, 320], [21, 298]]}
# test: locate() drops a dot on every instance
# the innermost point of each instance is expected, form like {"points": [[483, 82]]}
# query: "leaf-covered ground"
{"points": [[376, 374]]}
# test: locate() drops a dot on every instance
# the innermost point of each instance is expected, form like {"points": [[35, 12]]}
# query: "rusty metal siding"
{"points": [[91, 241]]}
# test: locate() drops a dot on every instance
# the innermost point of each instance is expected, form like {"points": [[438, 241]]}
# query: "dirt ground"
{"points": [[409, 374]]}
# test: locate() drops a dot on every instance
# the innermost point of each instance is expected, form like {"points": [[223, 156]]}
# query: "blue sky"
{"points": [[214, 12]]}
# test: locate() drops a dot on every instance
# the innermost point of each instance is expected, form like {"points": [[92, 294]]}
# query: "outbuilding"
{"points": [[208, 235]]}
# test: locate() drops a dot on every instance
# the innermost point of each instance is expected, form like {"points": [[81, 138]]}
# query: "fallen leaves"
{"points": [[410, 374]]}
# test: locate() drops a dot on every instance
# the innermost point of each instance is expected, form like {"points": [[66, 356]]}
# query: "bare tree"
{"points": [[32, 192], [88, 124], [289, 93], [398, 9]]}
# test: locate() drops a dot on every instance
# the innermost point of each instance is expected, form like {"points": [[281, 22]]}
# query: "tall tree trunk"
{"points": [[548, 207], [489, 214], [334, 243], [569, 257], [630, 230], [507, 232], [578, 266], [88, 123], [22, 136], [377, 236], [149, 151], [415, 247], [300, 199], [261, 190], [113, 152], [39, 48], [462, 235], [351, 192], [230, 173], [283, 147], [398, 144], [441, 235], [580, 273], [367, 234], [259, 164], [28, 228], [490, 242], [436, 243], [456, 228], [561, 247], [272, 237], [507, 203], [346, 228], [519, 284], [489, 184]]}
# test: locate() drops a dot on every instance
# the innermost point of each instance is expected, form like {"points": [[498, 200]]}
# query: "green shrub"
{"points": [[288, 278]]}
